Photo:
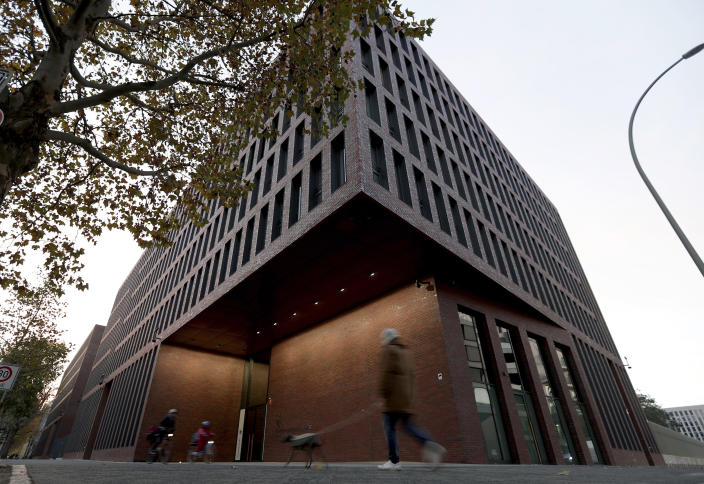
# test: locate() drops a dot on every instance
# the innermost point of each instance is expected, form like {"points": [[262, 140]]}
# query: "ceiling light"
{"points": [[315, 303], [342, 289], [275, 324], [258, 332], [372, 274], [294, 314]]}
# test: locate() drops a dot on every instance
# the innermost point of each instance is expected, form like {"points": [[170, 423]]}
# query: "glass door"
{"points": [[490, 422], [524, 402]]}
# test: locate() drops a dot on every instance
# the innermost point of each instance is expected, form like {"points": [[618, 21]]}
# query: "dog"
{"points": [[306, 443]]}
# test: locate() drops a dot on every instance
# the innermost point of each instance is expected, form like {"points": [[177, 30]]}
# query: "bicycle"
{"points": [[161, 450], [207, 454]]}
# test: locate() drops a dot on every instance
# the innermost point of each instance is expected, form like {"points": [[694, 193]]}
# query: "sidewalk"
{"points": [[72, 471]]}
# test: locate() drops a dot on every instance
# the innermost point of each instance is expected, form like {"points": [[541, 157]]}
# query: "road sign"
{"points": [[8, 373], [5, 77]]}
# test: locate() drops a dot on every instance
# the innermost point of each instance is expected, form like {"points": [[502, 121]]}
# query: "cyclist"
{"points": [[157, 434], [205, 442]]}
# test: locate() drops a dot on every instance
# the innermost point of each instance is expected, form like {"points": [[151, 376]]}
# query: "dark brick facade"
{"points": [[302, 276], [62, 415]]}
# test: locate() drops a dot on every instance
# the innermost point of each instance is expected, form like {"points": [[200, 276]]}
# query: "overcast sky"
{"points": [[557, 81]]}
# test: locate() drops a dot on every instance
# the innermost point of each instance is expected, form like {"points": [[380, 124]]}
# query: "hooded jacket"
{"points": [[396, 378]]}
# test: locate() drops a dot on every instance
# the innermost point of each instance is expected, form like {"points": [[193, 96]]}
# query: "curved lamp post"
{"points": [[693, 253]]}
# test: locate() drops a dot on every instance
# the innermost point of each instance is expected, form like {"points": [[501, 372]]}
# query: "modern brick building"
{"points": [[62, 415], [412, 216], [691, 420]]}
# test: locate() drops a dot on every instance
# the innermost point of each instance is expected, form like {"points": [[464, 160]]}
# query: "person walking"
{"points": [[396, 391]]}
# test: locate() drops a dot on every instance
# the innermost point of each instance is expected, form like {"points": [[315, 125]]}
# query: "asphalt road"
{"points": [[77, 471]]}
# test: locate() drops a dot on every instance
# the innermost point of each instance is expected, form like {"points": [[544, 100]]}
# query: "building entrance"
{"points": [[253, 410]]}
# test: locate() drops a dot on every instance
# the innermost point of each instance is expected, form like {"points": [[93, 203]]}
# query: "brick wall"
{"points": [[329, 373], [202, 386]]}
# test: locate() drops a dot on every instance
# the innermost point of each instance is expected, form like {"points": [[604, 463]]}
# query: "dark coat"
{"points": [[396, 378]]}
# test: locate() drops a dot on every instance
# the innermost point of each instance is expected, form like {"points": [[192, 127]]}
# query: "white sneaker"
{"points": [[390, 466], [433, 453]]}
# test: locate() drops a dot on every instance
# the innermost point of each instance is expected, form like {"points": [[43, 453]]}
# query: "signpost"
{"points": [[5, 77], [8, 374]]}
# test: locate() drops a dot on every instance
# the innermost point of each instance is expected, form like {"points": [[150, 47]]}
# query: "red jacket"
{"points": [[204, 435]]}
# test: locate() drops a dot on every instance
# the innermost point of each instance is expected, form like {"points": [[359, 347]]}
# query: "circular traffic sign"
{"points": [[5, 373]]}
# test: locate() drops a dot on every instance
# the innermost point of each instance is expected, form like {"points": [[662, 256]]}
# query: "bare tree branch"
{"points": [[52, 135]]}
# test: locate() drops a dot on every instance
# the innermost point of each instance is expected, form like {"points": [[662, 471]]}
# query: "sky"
{"points": [[557, 81]]}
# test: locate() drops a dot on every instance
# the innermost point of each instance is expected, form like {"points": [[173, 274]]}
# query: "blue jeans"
{"points": [[390, 419]]}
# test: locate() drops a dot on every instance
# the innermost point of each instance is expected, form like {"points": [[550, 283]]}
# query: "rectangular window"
{"points": [[367, 61], [298, 145], [472, 233], [411, 136], [283, 160], [483, 381], [402, 93], [214, 275], [275, 127], [294, 212], [378, 160], [262, 145], [247, 251], [485, 243], [254, 195], [419, 107], [442, 211], [250, 160], [392, 119], [446, 135], [415, 54], [371, 101], [215, 232], [205, 244], [236, 251], [524, 403], [287, 120], [423, 85], [457, 219], [458, 180], [338, 173], [269, 173], [315, 183], [379, 36], [385, 76], [422, 193], [204, 284], [428, 150], [277, 223], [497, 252], [195, 291], [315, 126], [444, 168], [404, 191], [433, 122], [409, 71], [395, 56], [261, 233], [225, 260], [404, 42]]}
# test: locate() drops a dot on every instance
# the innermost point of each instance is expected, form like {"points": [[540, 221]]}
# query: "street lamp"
{"points": [[693, 253]]}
